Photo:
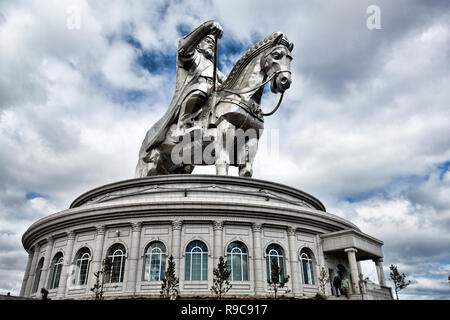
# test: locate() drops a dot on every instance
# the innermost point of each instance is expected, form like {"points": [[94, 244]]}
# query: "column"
{"points": [[47, 259], [321, 264], [258, 259], [176, 246], [66, 267], [218, 241], [97, 256], [351, 253], [293, 258], [134, 257], [380, 272], [30, 280], [363, 287], [26, 276]]}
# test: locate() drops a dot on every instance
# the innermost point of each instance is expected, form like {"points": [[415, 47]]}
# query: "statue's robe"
{"points": [[189, 70]]}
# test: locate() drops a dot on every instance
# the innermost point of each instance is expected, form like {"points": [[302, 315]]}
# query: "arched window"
{"points": [[37, 275], [155, 262], [116, 254], [83, 261], [306, 259], [55, 270], [274, 251], [237, 261], [196, 267]]}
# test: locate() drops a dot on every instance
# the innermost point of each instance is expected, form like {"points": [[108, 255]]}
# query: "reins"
{"points": [[254, 88], [275, 109], [248, 90], [259, 86]]}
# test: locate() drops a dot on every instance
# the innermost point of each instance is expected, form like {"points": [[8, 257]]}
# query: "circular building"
{"points": [[140, 223]]}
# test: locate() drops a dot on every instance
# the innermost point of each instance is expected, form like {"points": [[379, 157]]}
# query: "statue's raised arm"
{"points": [[188, 44], [193, 129]]}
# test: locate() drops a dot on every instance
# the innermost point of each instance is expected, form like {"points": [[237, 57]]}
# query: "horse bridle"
{"points": [[258, 87], [261, 85]]}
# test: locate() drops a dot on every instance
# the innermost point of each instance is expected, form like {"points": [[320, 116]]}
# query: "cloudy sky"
{"points": [[365, 126]]}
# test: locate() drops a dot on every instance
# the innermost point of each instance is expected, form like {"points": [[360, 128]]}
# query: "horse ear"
{"points": [[278, 40], [291, 47]]}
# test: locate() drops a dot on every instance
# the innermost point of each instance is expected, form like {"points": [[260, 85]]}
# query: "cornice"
{"points": [[353, 232], [101, 214], [203, 179]]}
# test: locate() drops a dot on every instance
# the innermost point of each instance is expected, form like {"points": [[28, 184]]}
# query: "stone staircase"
{"points": [[352, 297]]}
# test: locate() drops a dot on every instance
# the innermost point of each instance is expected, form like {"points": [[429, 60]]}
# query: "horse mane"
{"points": [[248, 57]]}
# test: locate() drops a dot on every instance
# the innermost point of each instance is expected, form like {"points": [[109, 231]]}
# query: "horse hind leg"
{"points": [[143, 166], [186, 169], [150, 164], [141, 169], [144, 169]]}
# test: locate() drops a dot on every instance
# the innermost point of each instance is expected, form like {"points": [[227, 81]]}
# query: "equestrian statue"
{"points": [[213, 119]]}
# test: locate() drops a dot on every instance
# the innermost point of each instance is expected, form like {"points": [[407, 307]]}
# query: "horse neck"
{"points": [[251, 77]]}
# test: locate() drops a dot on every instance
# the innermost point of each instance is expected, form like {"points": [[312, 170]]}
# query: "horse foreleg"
{"points": [[221, 144], [247, 156]]}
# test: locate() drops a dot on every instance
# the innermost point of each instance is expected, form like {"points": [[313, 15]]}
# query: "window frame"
{"points": [[203, 252], [149, 253], [115, 252], [83, 256], [306, 258], [279, 256], [243, 256], [37, 275], [56, 270]]}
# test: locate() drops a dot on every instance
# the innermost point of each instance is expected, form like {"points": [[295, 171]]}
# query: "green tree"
{"points": [[98, 288], [398, 279], [170, 283], [276, 280], [323, 279], [221, 285]]}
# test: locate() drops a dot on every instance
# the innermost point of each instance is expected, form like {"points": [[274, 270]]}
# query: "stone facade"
{"points": [[176, 211]]}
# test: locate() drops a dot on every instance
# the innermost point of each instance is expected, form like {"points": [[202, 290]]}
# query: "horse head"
{"points": [[276, 64]]}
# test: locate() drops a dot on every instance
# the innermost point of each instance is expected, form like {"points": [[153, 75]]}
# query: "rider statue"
{"points": [[194, 79], [213, 119]]}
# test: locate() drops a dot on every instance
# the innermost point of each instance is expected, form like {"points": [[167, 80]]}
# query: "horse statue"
{"points": [[231, 122]]}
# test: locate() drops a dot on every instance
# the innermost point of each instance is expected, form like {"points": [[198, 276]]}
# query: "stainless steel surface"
{"points": [[218, 127]]}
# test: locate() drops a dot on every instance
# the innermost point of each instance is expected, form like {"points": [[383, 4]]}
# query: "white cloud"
{"points": [[117, 69], [366, 116]]}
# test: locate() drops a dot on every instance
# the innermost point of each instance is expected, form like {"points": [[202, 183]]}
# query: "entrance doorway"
{"points": [[341, 271], [330, 278]]}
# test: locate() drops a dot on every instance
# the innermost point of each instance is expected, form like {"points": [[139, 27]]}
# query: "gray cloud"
{"points": [[366, 117], [13, 260]]}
